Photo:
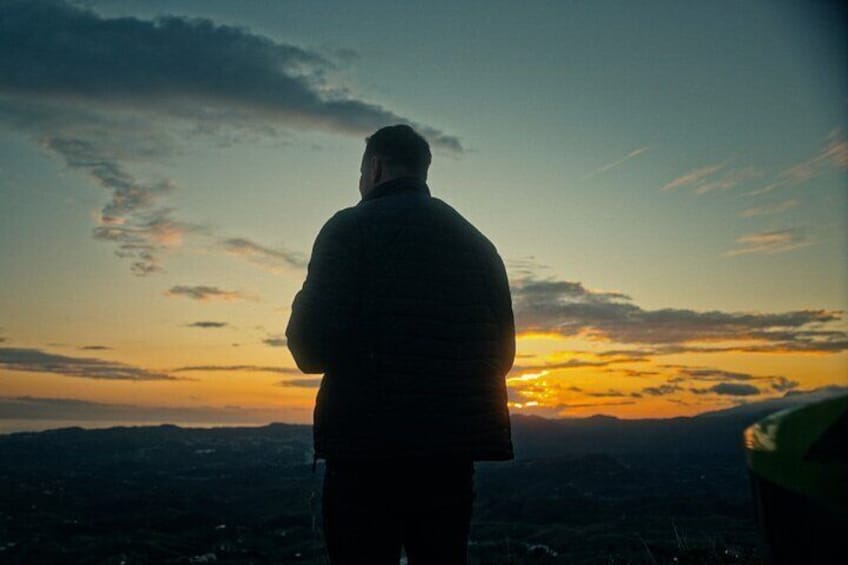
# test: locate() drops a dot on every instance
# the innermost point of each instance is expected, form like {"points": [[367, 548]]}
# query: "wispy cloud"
{"points": [[610, 393], [627, 372], [766, 189], [833, 156], [206, 324], [712, 178], [569, 364], [728, 180], [274, 260], [782, 384], [32, 408], [693, 177], [582, 405], [38, 361], [275, 341], [614, 164], [95, 348], [768, 209], [208, 293], [661, 390], [690, 375], [143, 237], [238, 368], [729, 389], [309, 382], [133, 218], [769, 242]]}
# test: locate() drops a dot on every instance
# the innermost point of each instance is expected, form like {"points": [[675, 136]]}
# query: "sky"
{"points": [[667, 183]]}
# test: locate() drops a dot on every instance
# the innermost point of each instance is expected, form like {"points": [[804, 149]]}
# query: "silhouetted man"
{"points": [[406, 310]]}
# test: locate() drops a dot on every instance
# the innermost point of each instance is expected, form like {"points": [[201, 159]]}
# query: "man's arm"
{"points": [[324, 310], [503, 307]]}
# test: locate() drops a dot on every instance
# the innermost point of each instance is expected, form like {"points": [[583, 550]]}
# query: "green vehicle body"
{"points": [[798, 463]]}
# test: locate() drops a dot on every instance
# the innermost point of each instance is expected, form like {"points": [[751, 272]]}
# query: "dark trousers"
{"points": [[372, 509]]}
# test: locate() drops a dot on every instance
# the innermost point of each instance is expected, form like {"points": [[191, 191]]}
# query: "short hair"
{"points": [[402, 149]]}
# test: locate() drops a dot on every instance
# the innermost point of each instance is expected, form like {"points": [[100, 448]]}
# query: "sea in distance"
{"points": [[8, 426]]}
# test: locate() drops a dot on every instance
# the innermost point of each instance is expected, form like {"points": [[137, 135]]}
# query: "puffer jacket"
{"points": [[406, 311]]}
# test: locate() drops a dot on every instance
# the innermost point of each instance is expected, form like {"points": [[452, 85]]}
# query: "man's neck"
{"points": [[399, 183]]}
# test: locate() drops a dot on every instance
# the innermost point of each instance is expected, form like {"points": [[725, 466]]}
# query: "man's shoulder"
{"points": [[464, 222], [342, 221], [341, 230]]}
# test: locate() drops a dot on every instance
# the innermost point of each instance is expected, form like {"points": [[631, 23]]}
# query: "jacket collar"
{"points": [[394, 186]]}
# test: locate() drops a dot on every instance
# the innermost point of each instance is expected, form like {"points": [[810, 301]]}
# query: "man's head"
{"points": [[392, 152]]}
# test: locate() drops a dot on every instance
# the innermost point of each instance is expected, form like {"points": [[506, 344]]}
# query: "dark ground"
{"points": [[581, 491]]}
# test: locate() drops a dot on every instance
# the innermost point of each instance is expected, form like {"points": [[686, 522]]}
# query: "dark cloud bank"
{"points": [[207, 324], [569, 309], [38, 361], [204, 293], [104, 94], [32, 408]]}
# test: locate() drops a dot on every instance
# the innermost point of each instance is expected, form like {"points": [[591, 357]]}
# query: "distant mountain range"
{"points": [[718, 432], [711, 432]]}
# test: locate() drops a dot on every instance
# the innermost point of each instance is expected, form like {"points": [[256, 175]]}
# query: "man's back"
{"points": [[414, 304], [407, 312]]}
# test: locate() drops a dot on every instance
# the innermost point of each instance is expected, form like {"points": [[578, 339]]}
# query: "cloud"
{"points": [[310, 382], [624, 372], [561, 409], [766, 189], [274, 260], [611, 393], [728, 180], [112, 96], [783, 384], [525, 267], [143, 237], [596, 404], [230, 368], [768, 209], [729, 389], [834, 155], [704, 374], [275, 341], [769, 242], [95, 348], [128, 194], [38, 361], [712, 177], [615, 163], [693, 177], [569, 364], [133, 218], [185, 68], [818, 393], [71, 409], [564, 360], [207, 293], [207, 324], [661, 390], [568, 309]]}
